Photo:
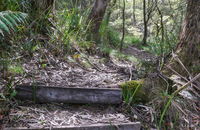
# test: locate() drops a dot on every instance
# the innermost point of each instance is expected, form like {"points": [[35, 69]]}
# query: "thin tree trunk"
{"points": [[95, 19], [123, 26], [161, 24], [161, 27], [110, 11], [145, 23], [188, 49], [134, 16]]}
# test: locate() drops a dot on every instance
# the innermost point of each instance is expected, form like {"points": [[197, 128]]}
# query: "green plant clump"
{"points": [[133, 92], [16, 69]]}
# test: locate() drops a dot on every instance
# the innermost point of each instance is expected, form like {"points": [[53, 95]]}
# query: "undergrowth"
{"points": [[68, 34]]}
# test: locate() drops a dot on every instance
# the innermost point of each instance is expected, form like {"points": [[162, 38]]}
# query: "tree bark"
{"points": [[148, 9], [187, 52], [96, 17], [134, 16], [188, 49], [123, 26], [109, 12], [145, 23]]}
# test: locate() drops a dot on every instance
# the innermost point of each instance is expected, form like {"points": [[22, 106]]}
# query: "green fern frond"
{"points": [[4, 27], [6, 21], [1, 32], [10, 20]]}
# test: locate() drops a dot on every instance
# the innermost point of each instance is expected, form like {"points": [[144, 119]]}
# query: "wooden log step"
{"points": [[43, 94], [123, 126]]}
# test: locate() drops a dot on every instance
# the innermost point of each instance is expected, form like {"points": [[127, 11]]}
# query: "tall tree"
{"points": [[186, 60], [134, 16], [123, 24], [148, 9], [145, 23], [95, 18], [110, 10], [188, 49]]}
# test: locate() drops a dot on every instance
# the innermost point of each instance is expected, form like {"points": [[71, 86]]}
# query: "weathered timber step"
{"points": [[123, 126], [44, 94]]}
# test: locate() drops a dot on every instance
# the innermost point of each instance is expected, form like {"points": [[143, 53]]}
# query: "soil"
{"points": [[56, 115], [72, 71], [80, 71], [140, 54]]}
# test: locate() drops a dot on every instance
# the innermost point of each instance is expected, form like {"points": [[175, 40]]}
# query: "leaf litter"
{"points": [[55, 115], [79, 70]]}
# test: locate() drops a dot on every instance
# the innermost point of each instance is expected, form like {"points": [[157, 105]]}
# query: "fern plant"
{"points": [[10, 20]]}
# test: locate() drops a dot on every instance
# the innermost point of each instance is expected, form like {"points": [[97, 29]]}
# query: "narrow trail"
{"points": [[68, 73], [140, 54]]}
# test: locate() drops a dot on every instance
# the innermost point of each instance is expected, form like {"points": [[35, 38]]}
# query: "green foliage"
{"points": [[121, 56], [70, 28], [133, 92], [9, 21], [159, 47], [86, 45], [113, 37], [15, 69], [109, 35], [105, 50], [9, 5], [132, 40]]}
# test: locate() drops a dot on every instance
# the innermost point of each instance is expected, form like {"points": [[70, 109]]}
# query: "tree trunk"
{"points": [[134, 16], [144, 42], [123, 26], [110, 10], [187, 52], [95, 18], [188, 49]]}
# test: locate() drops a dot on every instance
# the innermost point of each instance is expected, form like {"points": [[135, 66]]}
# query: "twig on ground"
{"points": [[131, 74], [181, 63], [182, 76], [186, 85]]}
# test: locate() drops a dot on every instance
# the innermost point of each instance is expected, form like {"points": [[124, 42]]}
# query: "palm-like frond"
{"points": [[10, 20]]}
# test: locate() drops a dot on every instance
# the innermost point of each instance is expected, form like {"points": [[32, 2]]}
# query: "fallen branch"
{"points": [[186, 85], [173, 95]]}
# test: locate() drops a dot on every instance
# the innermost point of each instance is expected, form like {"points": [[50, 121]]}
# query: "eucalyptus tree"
{"points": [[123, 24], [95, 19], [188, 49]]}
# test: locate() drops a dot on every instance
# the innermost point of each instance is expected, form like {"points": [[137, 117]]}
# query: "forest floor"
{"points": [[78, 70]]}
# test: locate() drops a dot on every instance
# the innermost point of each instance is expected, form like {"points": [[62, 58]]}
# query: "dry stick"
{"points": [[169, 67], [181, 76], [164, 78], [181, 63], [131, 74], [173, 95], [180, 108], [96, 67], [186, 85]]}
